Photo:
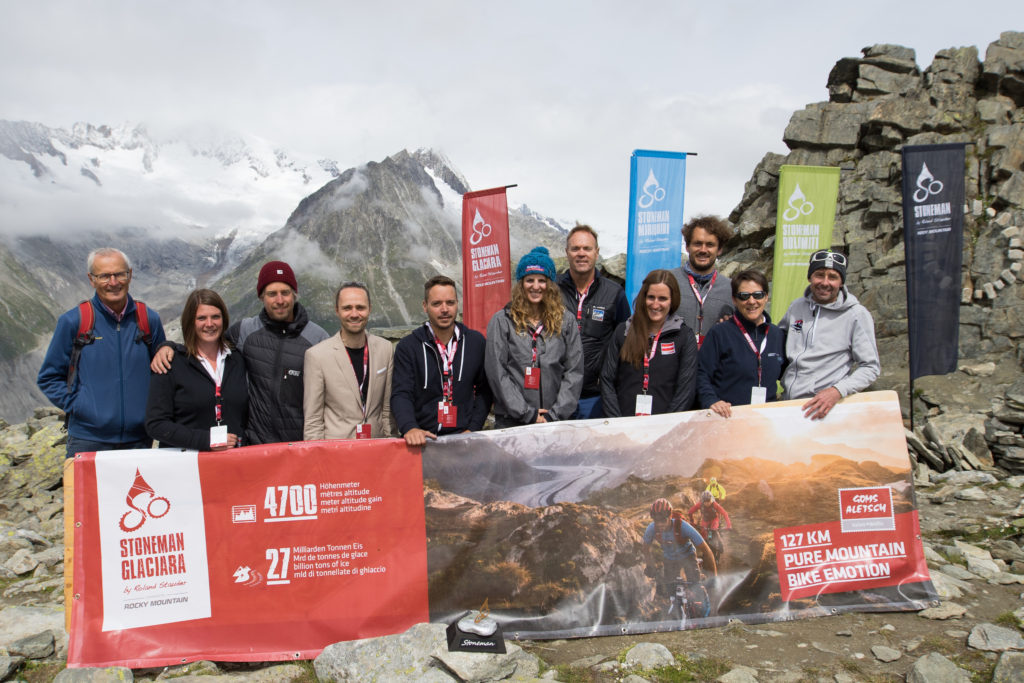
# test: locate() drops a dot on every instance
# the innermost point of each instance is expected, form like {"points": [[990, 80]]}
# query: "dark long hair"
{"points": [[196, 299], [634, 348]]}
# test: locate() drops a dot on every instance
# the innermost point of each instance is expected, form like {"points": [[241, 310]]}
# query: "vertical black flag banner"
{"points": [[933, 221]]}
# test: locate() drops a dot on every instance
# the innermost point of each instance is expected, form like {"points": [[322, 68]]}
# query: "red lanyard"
{"points": [[447, 366], [580, 298], [217, 408], [750, 343], [701, 299], [535, 333], [366, 374], [647, 361]]}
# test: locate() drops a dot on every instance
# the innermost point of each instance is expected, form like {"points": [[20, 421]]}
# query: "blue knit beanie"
{"points": [[537, 261]]}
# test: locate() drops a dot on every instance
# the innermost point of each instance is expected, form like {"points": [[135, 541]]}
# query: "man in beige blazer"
{"points": [[347, 388]]}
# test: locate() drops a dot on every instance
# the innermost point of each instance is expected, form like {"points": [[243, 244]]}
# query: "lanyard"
{"points": [[647, 361], [366, 375], [447, 366], [701, 299], [750, 343], [580, 298], [217, 408], [535, 333]]}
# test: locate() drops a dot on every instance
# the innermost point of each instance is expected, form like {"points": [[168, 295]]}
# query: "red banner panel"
{"points": [[261, 553], [486, 266]]}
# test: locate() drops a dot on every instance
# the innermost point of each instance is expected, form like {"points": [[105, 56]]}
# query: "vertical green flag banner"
{"points": [[803, 224]]}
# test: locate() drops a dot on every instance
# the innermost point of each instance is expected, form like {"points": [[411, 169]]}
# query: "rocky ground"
{"points": [[972, 523]]}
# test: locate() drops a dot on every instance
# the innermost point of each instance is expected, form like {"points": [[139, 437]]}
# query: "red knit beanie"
{"points": [[275, 271]]}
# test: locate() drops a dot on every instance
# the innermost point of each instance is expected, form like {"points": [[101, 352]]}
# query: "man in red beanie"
{"points": [[273, 344]]}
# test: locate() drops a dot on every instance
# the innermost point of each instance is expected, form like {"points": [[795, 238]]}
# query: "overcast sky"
{"points": [[553, 96]]}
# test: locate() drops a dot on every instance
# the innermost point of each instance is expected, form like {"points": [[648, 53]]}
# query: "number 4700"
{"points": [[295, 500]]}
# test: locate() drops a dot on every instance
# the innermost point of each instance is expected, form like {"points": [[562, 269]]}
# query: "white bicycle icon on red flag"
{"points": [[927, 185], [480, 229]]}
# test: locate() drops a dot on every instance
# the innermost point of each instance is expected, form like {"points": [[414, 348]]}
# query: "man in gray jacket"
{"points": [[705, 294], [830, 339]]}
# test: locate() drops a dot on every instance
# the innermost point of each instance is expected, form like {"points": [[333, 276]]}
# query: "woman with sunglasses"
{"points": [[651, 362], [742, 358]]}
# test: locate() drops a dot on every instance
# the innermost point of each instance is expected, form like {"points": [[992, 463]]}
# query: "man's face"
{"points": [[353, 309], [279, 302], [110, 278], [825, 285], [582, 253], [441, 307], [703, 249], [661, 524]]}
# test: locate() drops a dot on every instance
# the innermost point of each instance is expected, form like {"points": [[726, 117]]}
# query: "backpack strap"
{"points": [[142, 320], [84, 337]]}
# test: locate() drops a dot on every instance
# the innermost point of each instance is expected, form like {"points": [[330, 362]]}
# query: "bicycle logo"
{"points": [[927, 185], [480, 229], [144, 503], [652, 191], [798, 205]]}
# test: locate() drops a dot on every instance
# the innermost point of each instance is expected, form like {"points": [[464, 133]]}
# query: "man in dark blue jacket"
{"points": [[105, 399], [438, 385]]}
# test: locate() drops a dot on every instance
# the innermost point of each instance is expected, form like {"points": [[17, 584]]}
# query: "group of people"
{"points": [[563, 348]]}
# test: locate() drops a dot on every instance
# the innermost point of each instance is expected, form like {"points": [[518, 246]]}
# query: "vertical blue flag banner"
{"points": [[656, 184], [933, 222]]}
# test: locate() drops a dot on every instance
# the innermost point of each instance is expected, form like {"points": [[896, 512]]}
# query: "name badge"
{"points": [[363, 430], [531, 378], [218, 436], [597, 314], [446, 414], [758, 395], [644, 404], [668, 348]]}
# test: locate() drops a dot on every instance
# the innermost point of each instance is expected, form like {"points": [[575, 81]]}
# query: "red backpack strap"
{"points": [[142, 319], [84, 337]]}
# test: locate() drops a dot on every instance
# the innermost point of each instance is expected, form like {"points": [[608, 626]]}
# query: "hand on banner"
{"points": [[823, 402], [540, 415], [418, 437], [232, 443], [161, 362], [723, 408]]}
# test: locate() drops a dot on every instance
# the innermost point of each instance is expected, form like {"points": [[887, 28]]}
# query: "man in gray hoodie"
{"points": [[830, 339]]}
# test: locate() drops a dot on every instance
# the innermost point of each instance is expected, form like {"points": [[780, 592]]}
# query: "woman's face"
{"points": [[209, 323], [658, 302], [752, 308], [534, 286]]}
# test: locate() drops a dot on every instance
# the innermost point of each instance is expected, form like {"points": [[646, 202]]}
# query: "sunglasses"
{"points": [[743, 296], [826, 256]]}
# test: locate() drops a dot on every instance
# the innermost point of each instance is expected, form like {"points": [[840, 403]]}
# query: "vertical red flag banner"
{"points": [[486, 259], [257, 554]]}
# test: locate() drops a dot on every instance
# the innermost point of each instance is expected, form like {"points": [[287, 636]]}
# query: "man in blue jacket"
{"points": [[438, 385], [105, 396]]}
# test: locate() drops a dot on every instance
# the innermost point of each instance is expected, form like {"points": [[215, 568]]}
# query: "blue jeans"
{"points": [[79, 445], [589, 408]]}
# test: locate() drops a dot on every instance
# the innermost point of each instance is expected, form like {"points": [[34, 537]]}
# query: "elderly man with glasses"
{"points": [[830, 339], [348, 376], [97, 366]]}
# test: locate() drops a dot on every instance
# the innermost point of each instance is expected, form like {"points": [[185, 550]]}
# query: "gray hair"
{"points": [[106, 251]]}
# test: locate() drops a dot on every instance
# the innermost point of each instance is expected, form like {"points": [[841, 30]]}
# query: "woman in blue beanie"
{"points": [[534, 358]]}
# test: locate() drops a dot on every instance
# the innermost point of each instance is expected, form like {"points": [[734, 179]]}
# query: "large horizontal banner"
{"points": [[548, 522], [261, 553], [274, 552]]}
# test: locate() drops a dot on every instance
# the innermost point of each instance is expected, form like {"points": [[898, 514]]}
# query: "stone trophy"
{"points": [[475, 632]]}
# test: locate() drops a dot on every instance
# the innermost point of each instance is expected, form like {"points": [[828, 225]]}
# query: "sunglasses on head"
{"points": [[834, 256], [743, 296]]}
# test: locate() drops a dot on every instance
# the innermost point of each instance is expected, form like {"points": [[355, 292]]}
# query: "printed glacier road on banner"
{"points": [[152, 538]]}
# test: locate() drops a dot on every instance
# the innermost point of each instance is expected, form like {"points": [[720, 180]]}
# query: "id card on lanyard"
{"points": [[531, 374], [363, 430], [447, 412], [700, 304], [644, 401], [758, 394]]}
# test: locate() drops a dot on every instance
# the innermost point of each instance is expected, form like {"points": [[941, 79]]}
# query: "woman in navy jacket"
{"points": [[742, 359], [206, 386]]}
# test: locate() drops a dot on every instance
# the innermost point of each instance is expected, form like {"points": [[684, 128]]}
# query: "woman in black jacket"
{"points": [[650, 366], [202, 402]]}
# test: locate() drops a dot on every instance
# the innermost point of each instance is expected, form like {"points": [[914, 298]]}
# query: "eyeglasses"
{"points": [[120, 276], [743, 296], [826, 255]]}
